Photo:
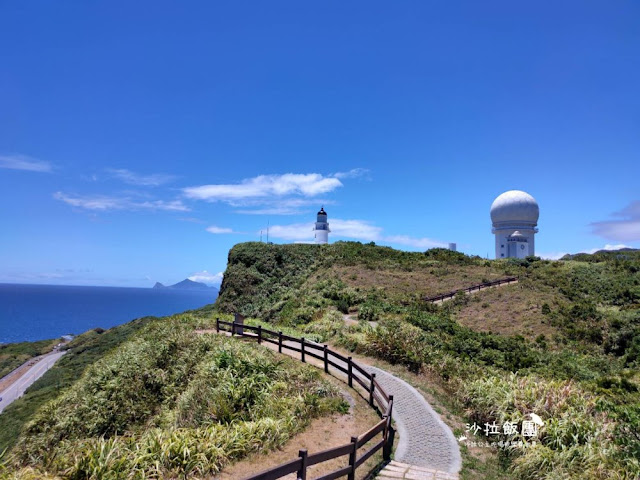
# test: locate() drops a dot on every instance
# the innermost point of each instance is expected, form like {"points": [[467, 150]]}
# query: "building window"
{"points": [[501, 246], [502, 254]]}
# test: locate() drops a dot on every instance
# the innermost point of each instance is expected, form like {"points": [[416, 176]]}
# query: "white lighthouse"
{"points": [[322, 227], [514, 215]]}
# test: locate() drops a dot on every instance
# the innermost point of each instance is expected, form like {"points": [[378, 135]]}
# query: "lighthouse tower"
{"points": [[322, 227]]}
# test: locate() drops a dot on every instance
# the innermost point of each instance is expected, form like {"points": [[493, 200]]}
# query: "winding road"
{"points": [[20, 385]]}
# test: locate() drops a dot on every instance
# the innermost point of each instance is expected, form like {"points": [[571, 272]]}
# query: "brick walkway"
{"points": [[426, 443], [397, 470]]}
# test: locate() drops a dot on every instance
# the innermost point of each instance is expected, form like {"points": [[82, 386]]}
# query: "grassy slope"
{"points": [[84, 350], [267, 280], [152, 398], [564, 342], [12, 355]]}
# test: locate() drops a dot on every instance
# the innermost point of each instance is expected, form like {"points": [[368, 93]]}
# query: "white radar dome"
{"points": [[515, 206]]}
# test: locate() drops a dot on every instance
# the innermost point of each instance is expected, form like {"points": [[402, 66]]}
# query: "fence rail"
{"points": [[444, 296], [377, 398]]}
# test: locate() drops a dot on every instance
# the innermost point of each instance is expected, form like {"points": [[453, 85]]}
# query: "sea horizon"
{"points": [[31, 312]]}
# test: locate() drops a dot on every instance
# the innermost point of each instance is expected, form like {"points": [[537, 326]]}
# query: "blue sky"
{"points": [[139, 141]]}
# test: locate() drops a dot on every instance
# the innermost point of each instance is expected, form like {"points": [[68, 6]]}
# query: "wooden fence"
{"points": [[378, 398], [452, 294]]}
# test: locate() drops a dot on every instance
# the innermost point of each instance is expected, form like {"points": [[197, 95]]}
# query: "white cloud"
{"points": [[353, 173], [551, 255], [214, 229], [132, 178], [22, 162], [608, 247], [625, 230], [279, 206], [559, 255], [106, 203], [301, 232], [298, 232], [262, 186], [206, 277], [354, 229], [359, 229], [416, 242]]}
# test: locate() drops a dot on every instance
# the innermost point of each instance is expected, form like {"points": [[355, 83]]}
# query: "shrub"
{"points": [[212, 400]]}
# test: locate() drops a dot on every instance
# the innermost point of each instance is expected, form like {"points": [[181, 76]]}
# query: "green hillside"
{"points": [[564, 342], [153, 399]]}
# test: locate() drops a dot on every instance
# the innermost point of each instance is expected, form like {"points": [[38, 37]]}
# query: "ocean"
{"points": [[38, 312]]}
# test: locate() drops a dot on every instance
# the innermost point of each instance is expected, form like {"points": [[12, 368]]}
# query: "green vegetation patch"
{"points": [[588, 402], [288, 284], [574, 364], [82, 352], [12, 355], [169, 402]]}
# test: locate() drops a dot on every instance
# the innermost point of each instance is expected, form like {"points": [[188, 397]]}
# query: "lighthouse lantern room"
{"points": [[322, 227]]}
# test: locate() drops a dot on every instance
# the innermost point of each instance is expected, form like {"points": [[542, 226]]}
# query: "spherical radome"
{"points": [[515, 206]]}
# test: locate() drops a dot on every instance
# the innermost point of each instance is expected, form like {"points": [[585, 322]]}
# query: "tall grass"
{"points": [[591, 424], [170, 402]]}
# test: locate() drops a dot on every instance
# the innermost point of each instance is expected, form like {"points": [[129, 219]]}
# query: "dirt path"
{"points": [[321, 434], [349, 320]]}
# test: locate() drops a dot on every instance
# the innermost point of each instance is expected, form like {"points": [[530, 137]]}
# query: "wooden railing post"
{"points": [[388, 446], [350, 371], [217, 325], [279, 342], [259, 333], [372, 388], [326, 360], [388, 433], [233, 328], [302, 349], [352, 458], [302, 473]]}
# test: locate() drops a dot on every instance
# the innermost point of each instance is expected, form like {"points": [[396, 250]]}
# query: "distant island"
{"points": [[186, 285]]}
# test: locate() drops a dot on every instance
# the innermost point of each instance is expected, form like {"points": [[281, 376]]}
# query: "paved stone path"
{"points": [[426, 443], [397, 470], [425, 440]]}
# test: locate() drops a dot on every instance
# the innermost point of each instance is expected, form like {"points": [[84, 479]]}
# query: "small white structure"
{"points": [[514, 215], [322, 227], [453, 247]]}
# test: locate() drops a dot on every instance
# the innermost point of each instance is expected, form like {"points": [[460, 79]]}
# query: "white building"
{"points": [[322, 227], [514, 215]]}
